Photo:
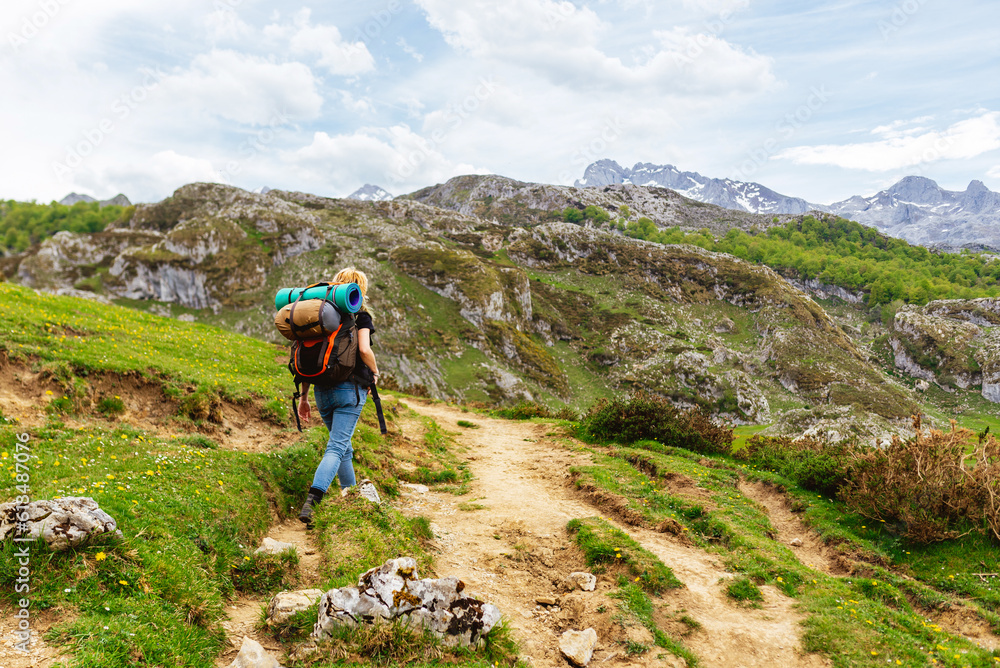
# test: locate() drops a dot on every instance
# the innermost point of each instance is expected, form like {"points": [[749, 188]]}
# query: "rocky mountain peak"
{"points": [[737, 195], [73, 198], [917, 190], [370, 193]]}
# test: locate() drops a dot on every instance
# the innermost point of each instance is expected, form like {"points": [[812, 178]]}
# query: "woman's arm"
{"points": [[303, 407], [365, 350]]}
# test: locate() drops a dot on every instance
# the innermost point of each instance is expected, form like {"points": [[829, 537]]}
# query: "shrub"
{"points": [[111, 406], [931, 485], [523, 410], [812, 464], [648, 417], [202, 404]]}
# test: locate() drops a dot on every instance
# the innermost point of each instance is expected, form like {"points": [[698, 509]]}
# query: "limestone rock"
{"points": [[578, 646], [253, 655], [394, 591], [285, 604], [546, 600], [413, 487], [271, 546], [583, 581], [62, 523], [368, 491], [795, 542]]}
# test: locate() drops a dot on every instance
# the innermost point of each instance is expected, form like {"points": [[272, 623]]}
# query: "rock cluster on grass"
{"points": [[393, 591], [61, 523]]}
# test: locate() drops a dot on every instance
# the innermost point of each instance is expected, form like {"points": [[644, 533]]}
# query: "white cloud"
{"points": [[720, 7], [560, 42], [900, 148], [325, 42], [994, 172], [247, 89], [225, 25], [146, 180], [395, 158], [409, 50]]}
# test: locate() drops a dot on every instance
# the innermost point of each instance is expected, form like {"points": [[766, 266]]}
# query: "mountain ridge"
{"points": [[915, 208]]}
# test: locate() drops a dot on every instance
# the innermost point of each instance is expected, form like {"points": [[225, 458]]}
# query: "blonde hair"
{"points": [[352, 275]]}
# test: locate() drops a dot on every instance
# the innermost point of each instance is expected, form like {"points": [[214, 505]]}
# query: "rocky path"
{"points": [[506, 538], [245, 613]]}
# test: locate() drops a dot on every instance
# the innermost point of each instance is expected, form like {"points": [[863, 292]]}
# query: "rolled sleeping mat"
{"points": [[345, 296]]}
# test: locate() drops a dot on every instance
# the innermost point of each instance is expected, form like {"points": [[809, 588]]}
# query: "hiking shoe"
{"points": [[305, 515]]}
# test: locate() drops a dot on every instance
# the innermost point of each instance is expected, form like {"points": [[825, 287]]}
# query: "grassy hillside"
{"points": [[192, 512]]}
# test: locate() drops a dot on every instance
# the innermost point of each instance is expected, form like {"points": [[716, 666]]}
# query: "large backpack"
{"points": [[324, 356]]}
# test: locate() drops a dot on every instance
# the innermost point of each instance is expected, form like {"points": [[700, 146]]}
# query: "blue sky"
{"points": [[817, 100]]}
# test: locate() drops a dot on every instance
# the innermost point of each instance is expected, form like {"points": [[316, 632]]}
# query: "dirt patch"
{"points": [[40, 654], [966, 622], [610, 503], [676, 483], [24, 395], [515, 549], [789, 527]]}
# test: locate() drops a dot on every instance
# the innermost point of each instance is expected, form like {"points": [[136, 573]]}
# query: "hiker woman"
{"points": [[340, 407]]}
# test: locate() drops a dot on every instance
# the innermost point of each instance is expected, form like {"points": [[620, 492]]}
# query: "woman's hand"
{"points": [[303, 409]]}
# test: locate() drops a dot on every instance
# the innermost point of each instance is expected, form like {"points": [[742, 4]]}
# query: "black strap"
{"points": [[378, 409], [295, 405]]}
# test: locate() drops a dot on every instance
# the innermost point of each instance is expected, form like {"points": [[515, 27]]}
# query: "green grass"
{"points": [[606, 547], [187, 546], [86, 337], [744, 590]]}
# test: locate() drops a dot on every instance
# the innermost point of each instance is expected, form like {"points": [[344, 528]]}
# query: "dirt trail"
{"points": [[521, 479], [789, 526], [245, 613]]}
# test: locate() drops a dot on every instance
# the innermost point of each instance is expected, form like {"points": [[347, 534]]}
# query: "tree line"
{"points": [[23, 224], [842, 252]]}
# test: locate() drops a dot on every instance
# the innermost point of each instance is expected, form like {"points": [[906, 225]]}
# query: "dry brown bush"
{"points": [[937, 485]]}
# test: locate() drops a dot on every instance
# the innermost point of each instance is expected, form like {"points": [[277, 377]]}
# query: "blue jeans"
{"points": [[340, 413]]}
